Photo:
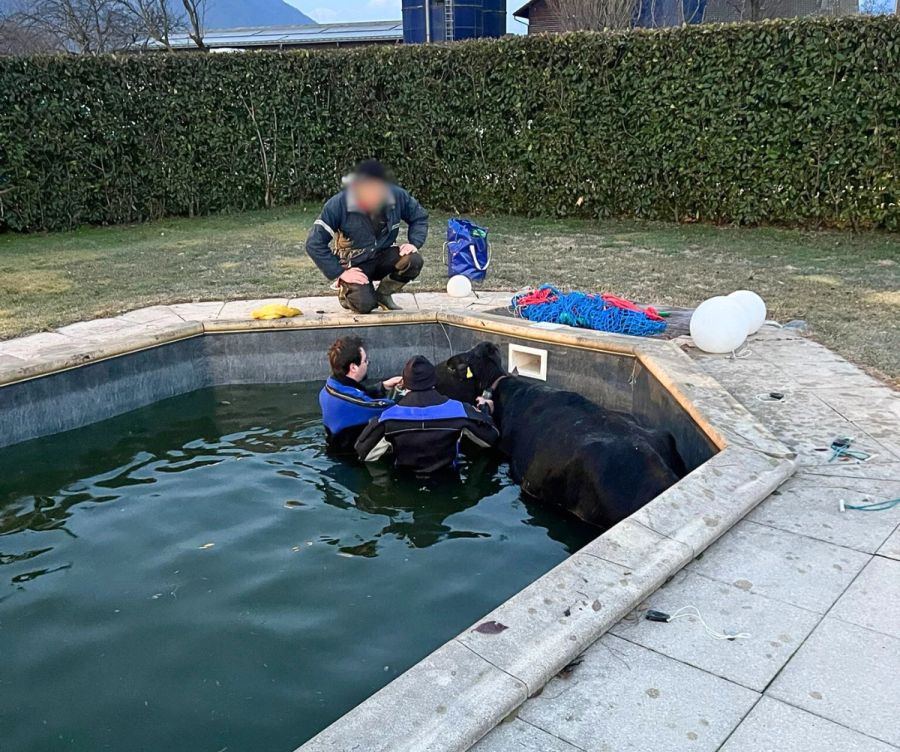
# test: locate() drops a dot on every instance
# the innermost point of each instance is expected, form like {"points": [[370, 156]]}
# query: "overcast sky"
{"points": [[373, 10]]}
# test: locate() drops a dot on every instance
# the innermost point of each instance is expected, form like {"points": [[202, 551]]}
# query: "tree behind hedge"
{"points": [[789, 122]]}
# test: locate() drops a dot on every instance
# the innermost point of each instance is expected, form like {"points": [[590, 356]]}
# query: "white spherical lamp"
{"points": [[719, 325], [459, 286], [754, 309]]}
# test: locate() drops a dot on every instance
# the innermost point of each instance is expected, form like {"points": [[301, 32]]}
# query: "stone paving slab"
{"points": [[439, 301], [11, 361], [847, 674], [494, 298], [879, 585], [891, 547], [676, 513], [558, 615], [204, 311], [791, 568], [773, 726], [518, 736], [776, 629], [241, 309], [812, 366], [626, 698], [808, 425], [99, 330], [746, 377], [875, 410], [152, 315], [634, 546], [322, 306], [434, 706], [864, 470], [31, 346], [814, 379], [809, 505]]}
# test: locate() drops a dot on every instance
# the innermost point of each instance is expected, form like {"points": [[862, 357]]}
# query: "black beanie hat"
{"points": [[371, 169], [419, 374]]}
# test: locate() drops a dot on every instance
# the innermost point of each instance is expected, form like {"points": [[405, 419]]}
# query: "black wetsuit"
{"points": [[423, 431]]}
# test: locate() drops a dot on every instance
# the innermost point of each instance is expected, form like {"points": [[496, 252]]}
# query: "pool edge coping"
{"points": [[464, 688]]}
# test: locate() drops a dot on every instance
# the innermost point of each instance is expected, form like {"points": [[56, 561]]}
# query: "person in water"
{"points": [[424, 428], [347, 403]]}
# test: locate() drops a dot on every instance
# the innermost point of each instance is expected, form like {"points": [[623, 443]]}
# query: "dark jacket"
{"points": [[347, 407], [423, 431], [367, 237]]}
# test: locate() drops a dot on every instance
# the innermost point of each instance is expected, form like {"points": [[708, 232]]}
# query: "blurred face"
{"points": [[371, 195], [358, 372]]}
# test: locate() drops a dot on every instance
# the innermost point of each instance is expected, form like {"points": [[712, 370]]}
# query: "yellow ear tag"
{"points": [[469, 374]]}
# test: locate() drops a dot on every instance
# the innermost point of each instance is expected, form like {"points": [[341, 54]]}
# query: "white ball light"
{"points": [[459, 286], [754, 309], [719, 325]]}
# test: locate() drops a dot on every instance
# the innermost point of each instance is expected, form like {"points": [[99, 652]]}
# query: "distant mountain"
{"points": [[228, 14], [220, 14]]}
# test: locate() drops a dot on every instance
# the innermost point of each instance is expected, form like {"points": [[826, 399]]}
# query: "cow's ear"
{"points": [[515, 371]]}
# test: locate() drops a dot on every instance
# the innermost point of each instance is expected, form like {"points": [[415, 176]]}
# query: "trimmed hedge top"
{"points": [[790, 122]]}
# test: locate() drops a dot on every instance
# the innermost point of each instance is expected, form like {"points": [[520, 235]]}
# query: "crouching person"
{"points": [[347, 403], [354, 240], [424, 428]]}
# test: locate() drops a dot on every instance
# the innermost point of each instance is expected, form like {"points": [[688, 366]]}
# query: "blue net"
{"points": [[586, 311]]}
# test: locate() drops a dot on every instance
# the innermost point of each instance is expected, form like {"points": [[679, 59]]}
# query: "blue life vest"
{"points": [[346, 406]]}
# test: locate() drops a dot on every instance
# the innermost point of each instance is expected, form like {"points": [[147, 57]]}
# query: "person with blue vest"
{"points": [[423, 430], [347, 404]]}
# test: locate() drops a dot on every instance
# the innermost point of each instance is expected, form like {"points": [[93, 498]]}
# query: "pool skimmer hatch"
{"points": [[528, 361]]}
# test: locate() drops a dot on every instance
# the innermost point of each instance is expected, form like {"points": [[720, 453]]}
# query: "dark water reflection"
{"points": [[200, 574]]}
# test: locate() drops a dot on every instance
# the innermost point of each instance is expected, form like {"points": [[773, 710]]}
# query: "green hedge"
{"points": [[789, 122]]}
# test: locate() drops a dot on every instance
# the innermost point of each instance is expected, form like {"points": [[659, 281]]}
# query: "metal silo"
{"points": [[449, 20], [494, 24]]}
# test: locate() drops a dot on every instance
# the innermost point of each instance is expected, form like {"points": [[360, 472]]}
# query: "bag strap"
{"points": [[478, 266]]}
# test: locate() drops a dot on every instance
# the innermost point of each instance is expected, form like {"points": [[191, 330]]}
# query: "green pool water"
{"points": [[199, 575]]}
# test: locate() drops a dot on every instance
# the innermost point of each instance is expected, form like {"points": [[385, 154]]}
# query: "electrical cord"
{"points": [[686, 612], [872, 506]]}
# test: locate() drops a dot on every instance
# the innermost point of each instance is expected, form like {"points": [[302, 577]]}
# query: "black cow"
{"points": [[599, 464]]}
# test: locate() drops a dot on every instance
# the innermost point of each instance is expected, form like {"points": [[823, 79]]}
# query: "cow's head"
{"points": [[466, 375], [486, 364]]}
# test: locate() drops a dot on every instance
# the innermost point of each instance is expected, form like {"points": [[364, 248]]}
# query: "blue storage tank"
{"points": [[494, 23], [449, 20]]}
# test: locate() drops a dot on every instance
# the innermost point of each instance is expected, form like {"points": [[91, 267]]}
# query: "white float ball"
{"points": [[719, 325], [459, 286], [754, 309]]}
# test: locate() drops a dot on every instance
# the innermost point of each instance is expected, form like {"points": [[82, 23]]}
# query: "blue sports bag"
{"points": [[468, 250]]}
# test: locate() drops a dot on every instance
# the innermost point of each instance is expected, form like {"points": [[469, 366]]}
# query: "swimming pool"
{"points": [[199, 575], [460, 690]]}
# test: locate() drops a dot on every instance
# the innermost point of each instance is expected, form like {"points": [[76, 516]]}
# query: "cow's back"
{"points": [[599, 464]]}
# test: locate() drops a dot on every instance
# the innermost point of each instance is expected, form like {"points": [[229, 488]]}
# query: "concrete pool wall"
{"points": [[454, 696], [72, 397]]}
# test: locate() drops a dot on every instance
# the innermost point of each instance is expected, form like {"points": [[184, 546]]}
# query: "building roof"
{"points": [[290, 36], [525, 9]]}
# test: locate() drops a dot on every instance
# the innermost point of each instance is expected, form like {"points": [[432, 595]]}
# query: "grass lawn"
{"points": [[846, 286]]}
